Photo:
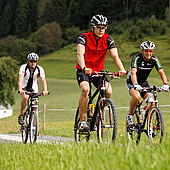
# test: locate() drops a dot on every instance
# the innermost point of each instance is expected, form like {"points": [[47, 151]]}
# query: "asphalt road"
{"points": [[45, 139]]}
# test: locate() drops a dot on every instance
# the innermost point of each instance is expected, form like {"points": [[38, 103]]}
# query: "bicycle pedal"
{"points": [[22, 128], [85, 132]]}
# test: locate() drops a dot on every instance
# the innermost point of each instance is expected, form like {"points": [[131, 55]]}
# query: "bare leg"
{"points": [[23, 103], [83, 100], [108, 90], [134, 101]]}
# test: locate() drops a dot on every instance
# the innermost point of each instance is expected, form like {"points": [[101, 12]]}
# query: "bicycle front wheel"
{"points": [[107, 121], [33, 126], [133, 131], [155, 126], [79, 136]]}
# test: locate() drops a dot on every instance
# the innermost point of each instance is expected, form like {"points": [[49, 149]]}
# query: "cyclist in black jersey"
{"points": [[141, 66]]}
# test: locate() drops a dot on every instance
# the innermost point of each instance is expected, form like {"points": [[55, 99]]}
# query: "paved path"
{"points": [[41, 139]]}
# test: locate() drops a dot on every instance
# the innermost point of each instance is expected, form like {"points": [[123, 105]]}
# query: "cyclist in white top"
{"points": [[28, 81]]}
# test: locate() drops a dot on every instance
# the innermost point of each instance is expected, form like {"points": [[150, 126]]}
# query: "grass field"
{"points": [[64, 94], [85, 156]]}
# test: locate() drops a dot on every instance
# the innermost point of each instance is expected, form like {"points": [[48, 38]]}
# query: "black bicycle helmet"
{"points": [[99, 20]]}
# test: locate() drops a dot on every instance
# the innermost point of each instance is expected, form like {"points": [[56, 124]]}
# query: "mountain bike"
{"points": [[102, 116], [30, 126], [151, 114]]}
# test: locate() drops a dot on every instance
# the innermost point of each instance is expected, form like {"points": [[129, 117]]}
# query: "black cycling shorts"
{"points": [[84, 77], [130, 86]]}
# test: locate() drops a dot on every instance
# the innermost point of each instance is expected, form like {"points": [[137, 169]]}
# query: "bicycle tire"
{"points": [[33, 126], [155, 126], [25, 130], [79, 137], [108, 115]]}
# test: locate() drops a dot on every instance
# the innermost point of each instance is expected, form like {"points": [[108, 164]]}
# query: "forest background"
{"points": [[44, 26]]}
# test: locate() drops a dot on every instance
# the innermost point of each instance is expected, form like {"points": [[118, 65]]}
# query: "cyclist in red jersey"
{"points": [[92, 48]]}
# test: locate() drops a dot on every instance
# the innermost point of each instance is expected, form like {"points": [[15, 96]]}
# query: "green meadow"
{"points": [[64, 95]]}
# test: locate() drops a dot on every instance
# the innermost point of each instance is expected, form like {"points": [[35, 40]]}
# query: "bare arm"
{"points": [[80, 58], [117, 61], [80, 55], [162, 75], [20, 81], [133, 76], [44, 84]]}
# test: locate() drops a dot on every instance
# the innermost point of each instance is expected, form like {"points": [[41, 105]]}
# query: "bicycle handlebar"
{"points": [[152, 89], [34, 94], [107, 73]]}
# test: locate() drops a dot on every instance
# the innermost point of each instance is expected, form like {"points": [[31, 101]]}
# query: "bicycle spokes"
{"points": [[33, 127], [155, 126], [107, 122]]}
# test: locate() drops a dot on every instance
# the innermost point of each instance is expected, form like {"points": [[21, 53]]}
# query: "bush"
{"points": [[71, 34], [149, 26], [135, 33], [47, 38], [18, 49], [8, 80]]}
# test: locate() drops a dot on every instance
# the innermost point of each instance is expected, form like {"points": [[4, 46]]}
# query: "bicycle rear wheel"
{"points": [[155, 126], [25, 130], [33, 126], [107, 121], [79, 136]]}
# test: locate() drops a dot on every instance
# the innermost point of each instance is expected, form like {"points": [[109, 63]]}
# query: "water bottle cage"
{"points": [[91, 109]]}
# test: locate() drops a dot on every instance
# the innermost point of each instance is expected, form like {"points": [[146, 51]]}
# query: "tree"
{"points": [[51, 10], [8, 80], [6, 21], [21, 21], [169, 12]]}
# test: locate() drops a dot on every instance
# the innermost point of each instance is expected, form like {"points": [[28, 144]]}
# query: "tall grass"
{"points": [[90, 155]]}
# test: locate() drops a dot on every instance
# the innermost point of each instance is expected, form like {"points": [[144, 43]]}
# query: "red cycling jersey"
{"points": [[95, 52]]}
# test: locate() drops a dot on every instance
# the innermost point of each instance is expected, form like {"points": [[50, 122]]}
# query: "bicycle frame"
{"points": [[32, 103], [152, 98], [31, 118], [102, 94]]}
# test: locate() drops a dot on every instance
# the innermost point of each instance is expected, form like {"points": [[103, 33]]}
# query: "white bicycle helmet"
{"points": [[99, 20], [33, 56], [147, 45]]}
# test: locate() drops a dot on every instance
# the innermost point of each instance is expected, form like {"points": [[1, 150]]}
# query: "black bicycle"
{"points": [[102, 116], [151, 114], [30, 126]]}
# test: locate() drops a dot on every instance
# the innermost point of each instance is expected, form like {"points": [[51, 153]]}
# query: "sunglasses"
{"points": [[33, 61], [149, 51]]}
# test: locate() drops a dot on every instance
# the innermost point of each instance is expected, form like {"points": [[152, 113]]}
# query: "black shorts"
{"points": [[143, 84], [84, 77]]}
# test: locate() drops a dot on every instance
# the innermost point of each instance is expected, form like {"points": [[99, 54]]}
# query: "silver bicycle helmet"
{"points": [[33, 56], [147, 45], [99, 20]]}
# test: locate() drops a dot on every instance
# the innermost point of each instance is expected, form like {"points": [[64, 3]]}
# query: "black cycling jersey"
{"points": [[143, 67], [83, 40]]}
